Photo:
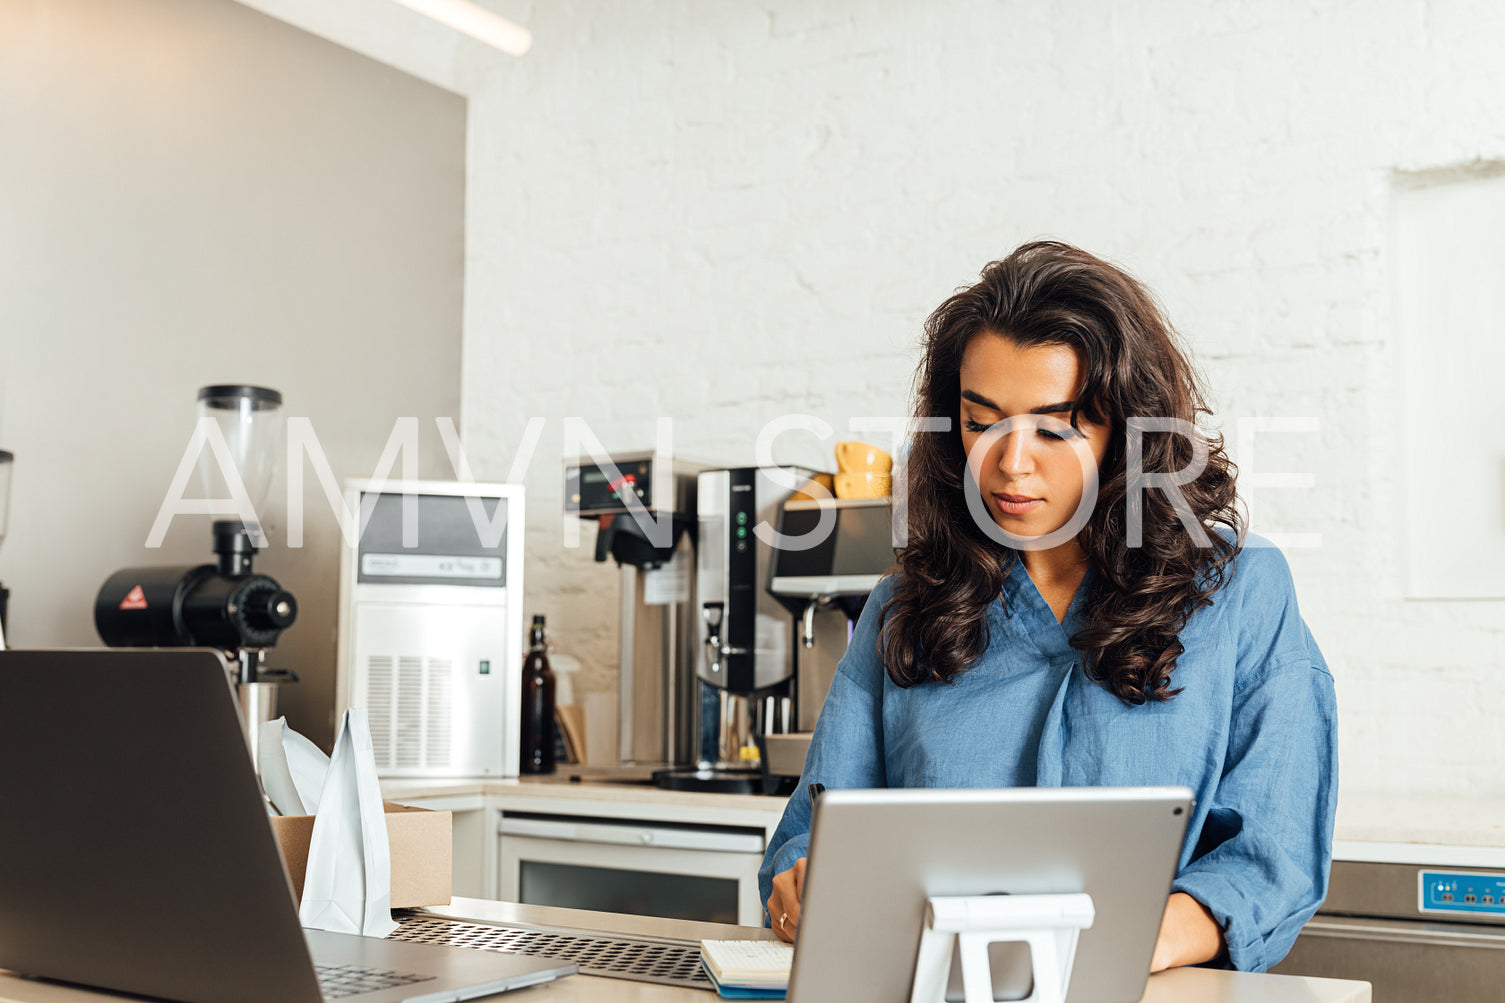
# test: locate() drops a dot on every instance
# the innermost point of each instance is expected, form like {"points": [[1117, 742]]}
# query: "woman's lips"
{"points": [[1017, 504]]}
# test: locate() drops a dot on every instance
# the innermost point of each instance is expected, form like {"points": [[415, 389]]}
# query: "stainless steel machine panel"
{"points": [[656, 682], [856, 550], [1372, 928]]}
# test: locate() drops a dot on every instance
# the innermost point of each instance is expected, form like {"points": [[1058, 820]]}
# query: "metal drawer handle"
{"points": [[1404, 933]]}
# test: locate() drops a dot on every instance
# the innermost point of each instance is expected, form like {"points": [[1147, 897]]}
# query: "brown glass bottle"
{"points": [[538, 705]]}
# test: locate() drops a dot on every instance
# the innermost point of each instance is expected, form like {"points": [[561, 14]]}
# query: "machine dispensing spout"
{"points": [[807, 619], [712, 613]]}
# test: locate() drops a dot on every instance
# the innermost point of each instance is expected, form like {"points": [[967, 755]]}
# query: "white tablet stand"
{"points": [[1049, 924]]}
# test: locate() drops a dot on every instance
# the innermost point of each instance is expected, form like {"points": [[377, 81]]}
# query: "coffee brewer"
{"points": [[657, 691], [747, 657], [727, 633], [782, 578], [225, 605]]}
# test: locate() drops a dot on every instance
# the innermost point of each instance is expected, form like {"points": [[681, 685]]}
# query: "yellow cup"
{"points": [[863, 485], [860, 458], [826, 481]]}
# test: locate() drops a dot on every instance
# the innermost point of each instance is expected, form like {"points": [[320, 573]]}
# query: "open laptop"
{"points": [[864, 897], [136, 854]]}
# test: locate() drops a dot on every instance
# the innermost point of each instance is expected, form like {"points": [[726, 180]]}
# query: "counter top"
{"points": [[595, 799], [1438, 830], [560, 788], [1187, 985]]}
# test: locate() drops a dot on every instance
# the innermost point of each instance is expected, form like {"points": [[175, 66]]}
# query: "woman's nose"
{"points": [[1015, 459]]}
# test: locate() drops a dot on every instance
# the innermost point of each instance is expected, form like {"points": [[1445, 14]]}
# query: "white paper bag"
{"points": [[348, 885], [292, 768]]}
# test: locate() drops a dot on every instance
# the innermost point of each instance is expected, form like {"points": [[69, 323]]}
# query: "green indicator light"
{"points": [[485, 668], [741, 532], [742, 518]]}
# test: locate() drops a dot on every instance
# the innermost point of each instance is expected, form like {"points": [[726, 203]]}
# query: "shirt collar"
{"points": [[1029, 615]]}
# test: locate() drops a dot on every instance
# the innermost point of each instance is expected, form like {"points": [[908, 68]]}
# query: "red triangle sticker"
{"points": [[134, 599]]}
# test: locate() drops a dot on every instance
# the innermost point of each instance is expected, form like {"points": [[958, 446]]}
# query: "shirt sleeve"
{"points": [[846, 750], [1262, 859]]}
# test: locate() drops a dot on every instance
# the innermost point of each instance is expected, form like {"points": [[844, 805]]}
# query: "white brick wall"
{"points": [[725, 211]]}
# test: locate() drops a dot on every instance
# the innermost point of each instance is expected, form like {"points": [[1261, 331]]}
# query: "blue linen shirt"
{"points": [[1253, 733]]}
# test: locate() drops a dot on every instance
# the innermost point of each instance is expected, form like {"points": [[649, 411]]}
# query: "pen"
{"points": [[815, 791]]}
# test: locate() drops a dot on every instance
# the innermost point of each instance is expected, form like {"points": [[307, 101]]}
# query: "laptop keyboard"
{"points": [[336, 981]]}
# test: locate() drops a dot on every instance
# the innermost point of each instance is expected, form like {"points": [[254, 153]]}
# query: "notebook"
{"points": [[748, 969]]}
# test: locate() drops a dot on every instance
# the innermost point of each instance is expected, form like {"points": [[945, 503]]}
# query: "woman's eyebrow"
{"points": [[1059, 407]]}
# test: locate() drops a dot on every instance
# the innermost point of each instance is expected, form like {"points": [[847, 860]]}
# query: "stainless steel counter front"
{"points": [[1187, 985], [1372, 924]]}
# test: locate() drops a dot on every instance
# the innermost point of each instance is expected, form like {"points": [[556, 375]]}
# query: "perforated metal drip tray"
{"points": [[638, 959]]}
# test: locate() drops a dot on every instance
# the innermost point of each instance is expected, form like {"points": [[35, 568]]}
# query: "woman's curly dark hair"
{"points": [[1049, 293]]}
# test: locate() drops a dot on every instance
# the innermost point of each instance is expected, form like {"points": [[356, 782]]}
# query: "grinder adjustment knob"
{"points": [[261, 610]]}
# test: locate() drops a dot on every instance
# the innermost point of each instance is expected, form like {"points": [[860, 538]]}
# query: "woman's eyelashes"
{"points": [[1068, 433]]}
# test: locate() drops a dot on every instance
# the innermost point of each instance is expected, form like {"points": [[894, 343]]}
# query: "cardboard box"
{"points": [[422, 845]]}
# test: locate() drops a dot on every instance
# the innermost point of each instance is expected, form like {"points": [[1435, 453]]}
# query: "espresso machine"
{"points": [[227, 604], [657, 690]]}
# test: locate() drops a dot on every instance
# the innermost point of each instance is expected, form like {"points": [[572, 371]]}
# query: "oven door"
{"points": [[680, 871]]}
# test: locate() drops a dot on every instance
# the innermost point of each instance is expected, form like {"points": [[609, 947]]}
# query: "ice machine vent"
{"points": [[409, 701]]}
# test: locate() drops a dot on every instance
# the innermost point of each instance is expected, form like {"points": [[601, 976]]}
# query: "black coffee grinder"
{"points": [[224, 605]]}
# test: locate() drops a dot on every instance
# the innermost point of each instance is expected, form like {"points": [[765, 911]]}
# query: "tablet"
{"points": [[877, 855]]}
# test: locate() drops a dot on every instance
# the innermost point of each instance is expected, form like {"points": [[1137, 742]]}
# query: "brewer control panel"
{"points": [[602, 488]]}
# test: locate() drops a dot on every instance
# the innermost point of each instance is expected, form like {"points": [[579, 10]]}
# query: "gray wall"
{"points": [[194, 193]]}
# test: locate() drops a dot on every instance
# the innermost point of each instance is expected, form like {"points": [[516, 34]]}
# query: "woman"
{"points": [[1077, 605]]}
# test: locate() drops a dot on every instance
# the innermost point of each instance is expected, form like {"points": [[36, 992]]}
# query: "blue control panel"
{"points": [[1463, 893]]}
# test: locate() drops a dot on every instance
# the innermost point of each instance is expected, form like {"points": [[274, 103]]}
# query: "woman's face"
{"points": [[1031, 478]]}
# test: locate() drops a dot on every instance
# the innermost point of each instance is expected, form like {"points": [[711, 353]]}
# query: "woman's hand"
{"points": [[784, 902], [1188, 934]]}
